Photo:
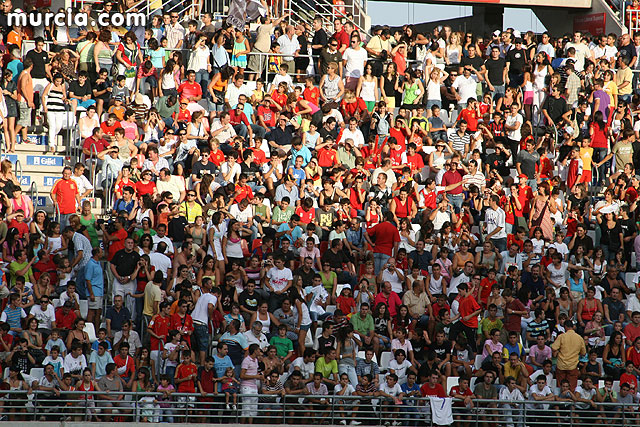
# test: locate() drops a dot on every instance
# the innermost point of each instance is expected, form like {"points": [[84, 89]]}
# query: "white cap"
{"points": [[517, 34], [497, 32], [569, 130]]}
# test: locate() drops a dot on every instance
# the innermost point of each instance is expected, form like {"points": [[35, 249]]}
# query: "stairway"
{"points": [[37, 170]]}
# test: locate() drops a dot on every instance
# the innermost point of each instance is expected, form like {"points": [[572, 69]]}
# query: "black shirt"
{"points": [[307, 278], [77, 90], [628, 52], [441, 350], [319, 37], [335, 259], [327, 57], [628, 228], [251, 170], [516, 59], [281, 136], [555, 107], [176, 227], [498, 162], [476, 62], [39, 60], [288, 256], [250, 302], [200, 169], [226, 298], [326, 344], [125, 262], [495, 68], [422, 261], [117, 317], [332, 133], [585, 241]]}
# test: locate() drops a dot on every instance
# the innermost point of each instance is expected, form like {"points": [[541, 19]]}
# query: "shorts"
{"points": [[528, 98], [186, 401], [95, 305], [201, 335], [25, 114], [249, 403]]}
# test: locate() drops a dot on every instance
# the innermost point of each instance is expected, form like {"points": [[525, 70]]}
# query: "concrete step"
{"points": [[37, 162]]}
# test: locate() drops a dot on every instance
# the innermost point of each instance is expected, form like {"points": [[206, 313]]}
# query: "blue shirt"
{"points": [[101, 363], [295, 234], [221, 365], [298, 174], [16, 68], [93, 272], [304, 152]]}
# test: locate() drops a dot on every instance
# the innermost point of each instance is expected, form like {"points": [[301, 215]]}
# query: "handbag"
{"points": [[536, 222]]}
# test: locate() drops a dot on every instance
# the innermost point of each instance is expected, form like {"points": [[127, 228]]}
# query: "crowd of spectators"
{"points": [[308, 210]]}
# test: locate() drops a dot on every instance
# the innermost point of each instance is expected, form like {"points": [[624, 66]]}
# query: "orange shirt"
{"points": [[66, 191]]}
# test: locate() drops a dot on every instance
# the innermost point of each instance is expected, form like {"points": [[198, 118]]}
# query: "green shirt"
{"points": [[14, 266], [282, 216], [164, 110], [283, 345], [363, 327], [326, 369], [139, 232]]}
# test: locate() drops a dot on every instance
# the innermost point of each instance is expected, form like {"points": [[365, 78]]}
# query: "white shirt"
{"points": [[288, 46], [511, 121], [357, 137], [161, 262], [74, 365], [633, 304], [200, 313], [582, 52], [233, 92], [252, 339], [534, 390], [278, 279], [466, 87], [279, 78], [45, 317], [241, 216], [548, 49], [82, 182], [495, 219], [226, 167], [355, 62], [157, 239]]}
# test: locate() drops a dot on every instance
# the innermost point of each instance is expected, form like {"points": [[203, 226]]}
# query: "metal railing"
{"points": [[19, 171], [93, 162], [20, 405], [33, 192]]}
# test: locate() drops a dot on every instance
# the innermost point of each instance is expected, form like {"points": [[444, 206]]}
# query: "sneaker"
{"points": [[228, 406], [387, 423], [343, 422], [355, 423], [395, 423], [234, 407]]}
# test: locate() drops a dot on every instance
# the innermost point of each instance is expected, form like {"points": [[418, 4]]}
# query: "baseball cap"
{"points": [[518, 40], [523, 176], [496, 33]]}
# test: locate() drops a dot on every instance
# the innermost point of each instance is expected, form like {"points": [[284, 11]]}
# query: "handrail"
{"points": [[19, 168], [34, 189], [93, 171]]}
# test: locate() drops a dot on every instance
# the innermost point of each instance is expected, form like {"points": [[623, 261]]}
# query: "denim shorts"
{"points": [[201, 334]]}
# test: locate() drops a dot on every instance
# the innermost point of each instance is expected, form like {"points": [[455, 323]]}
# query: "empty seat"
{"points": [[84, 308], [37, 373], [385, 359], [451, 381], [331, 309], [308, 341], [630, 280], [91, 331], [478, 361]]}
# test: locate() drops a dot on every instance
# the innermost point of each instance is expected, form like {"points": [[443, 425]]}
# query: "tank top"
{"points": [[576, 286], [453, 55], [588, 312], [433, 91], [54, 101], [403, 209], [435, 286], [124, 153], [221, 85], [234, 248], [539, 78], [331, 88], [83, 387], [410, 94], [168, 82], [438, 160], [389, 86], [266, 323], [197, 238], [239, 47], [327, 282], [22, 204], [367, 91], [346, 353], [105, 56]]}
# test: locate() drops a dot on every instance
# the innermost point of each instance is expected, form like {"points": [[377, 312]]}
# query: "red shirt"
{"points": [[109, 130], [511, 238], [142, 188], [279, 98], [400, 136], [471, 117], [190, 90], [160, 326], [306, 217], [525, 194], [184, 371], [392, 302], [455, 391], [327, 157], [631, 332], [182, 116], [452, 178], [415, 162], [217, 157], [116, 245], [64, 321], [100, 144], [427, 390], [259, 158], [182, 325], [429, 199], [626, 379], [268, 115], [243, 193], [349, 109], [512, 321], [66, 191], [386, 235], [128, 362], [237, 118], [485, 286], [342, 38], [21, 226], [312, 94], [467, 306]]}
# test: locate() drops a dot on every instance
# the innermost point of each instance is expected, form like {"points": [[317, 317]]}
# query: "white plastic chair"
{"points": [[37, 373], [84, 309], [91, 331], [451, 382], [385, 359]]}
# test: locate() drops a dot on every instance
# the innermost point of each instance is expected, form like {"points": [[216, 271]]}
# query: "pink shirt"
{"points": [[251, 367], [494, 347], [539, 355]]}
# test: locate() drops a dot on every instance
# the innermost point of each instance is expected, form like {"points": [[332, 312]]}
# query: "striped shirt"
{"points": [[12, 316], [476, 179], [458, 142], [54, 101]]}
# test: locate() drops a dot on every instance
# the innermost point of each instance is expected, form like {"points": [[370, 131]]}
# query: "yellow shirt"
{"points": [[586, 154], [191, 212], [622, 76], [570, 347], [152, 293]]}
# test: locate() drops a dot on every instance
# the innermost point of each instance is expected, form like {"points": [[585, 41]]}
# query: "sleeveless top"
{"points": [[433, 91], [539, 78], [91, 229], [22, 205], [389, 86], [367, 91], [346, 351], [453, 55], [403, 210], [266, 323], [588, 312], [54, 101], [85, 388], [410, 94], [435, 286], [331, 88]]}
